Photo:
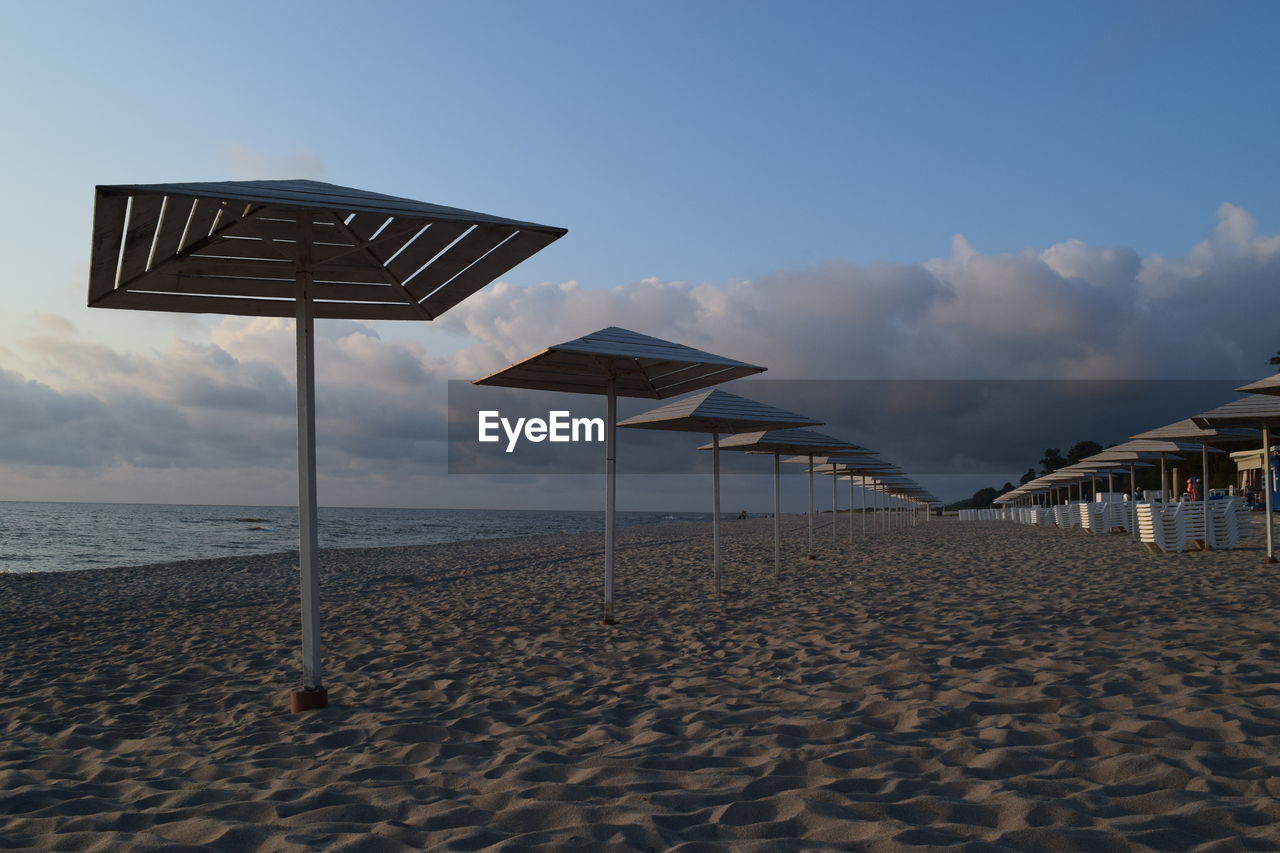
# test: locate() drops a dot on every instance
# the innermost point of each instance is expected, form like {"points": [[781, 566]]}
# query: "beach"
{"points": [[949, 686]]}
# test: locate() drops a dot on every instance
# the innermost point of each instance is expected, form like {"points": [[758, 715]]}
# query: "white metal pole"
{"points": [[610, 491], [851, 509], [777, 507], [833, 504], [811, 553], [308, 541], [1204, 495], [862, 502], [1266, 489], [715, 507], [1164, 483]]}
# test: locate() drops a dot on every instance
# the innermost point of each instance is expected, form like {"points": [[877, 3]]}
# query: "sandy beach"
{"points": [[953, 686]]}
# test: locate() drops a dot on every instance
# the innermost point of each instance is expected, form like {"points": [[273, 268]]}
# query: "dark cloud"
{"points": [[1069, 312]]}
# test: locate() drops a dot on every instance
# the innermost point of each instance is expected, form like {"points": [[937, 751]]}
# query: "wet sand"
{"points": [[953, 686]]}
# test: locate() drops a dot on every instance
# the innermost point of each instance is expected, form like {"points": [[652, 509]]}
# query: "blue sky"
{"points": [[693, 142]]}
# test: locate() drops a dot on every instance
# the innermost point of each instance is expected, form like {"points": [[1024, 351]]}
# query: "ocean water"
{"points": [[45, 537]]}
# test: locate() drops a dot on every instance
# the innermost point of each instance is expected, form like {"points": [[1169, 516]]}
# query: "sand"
{"points": [[955, 686]]}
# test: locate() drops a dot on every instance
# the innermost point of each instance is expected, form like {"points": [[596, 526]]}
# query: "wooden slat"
{"points": [[210, 266], [361, 254], [461, 255], [197, 304], [177, 211], [267, 289], [104, 255], [144, 216], [202, 217], [429, 244], [197, 265], [230, 215], [274, 228], [396, 232], [351, 273], [365, 225], [485, 270], [361, 311], [189, 304], [392, 238], [269, 250]]}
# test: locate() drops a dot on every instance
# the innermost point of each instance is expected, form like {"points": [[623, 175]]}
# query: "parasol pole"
{"points": [[862, 502], [313, 693], [777, 522], [834, 484], [715, 508], [1266, 488], [1164, 482], [850, 508], [1204, 495], [610, 491], [811, 554]]}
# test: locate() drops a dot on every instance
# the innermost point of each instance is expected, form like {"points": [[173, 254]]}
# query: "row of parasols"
{"points": [[1247, 419], [616, 362], [311, 250]]}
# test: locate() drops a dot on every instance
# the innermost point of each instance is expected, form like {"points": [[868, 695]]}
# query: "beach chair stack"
{"points": [[1230, 522], [1119, 514], [1093, 517], [1158, 527], [1067, 516], [1181, 526]]}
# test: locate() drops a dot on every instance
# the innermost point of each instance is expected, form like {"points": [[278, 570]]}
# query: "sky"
{"points": [[835, 190]]}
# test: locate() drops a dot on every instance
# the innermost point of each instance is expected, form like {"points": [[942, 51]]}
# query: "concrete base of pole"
{"points": [[308, 700]]}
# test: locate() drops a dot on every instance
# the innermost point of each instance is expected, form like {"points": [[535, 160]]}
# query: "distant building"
{"points": [[1249, 470]]}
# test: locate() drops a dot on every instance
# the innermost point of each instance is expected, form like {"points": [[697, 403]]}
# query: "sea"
{"points": [[54, 537]]}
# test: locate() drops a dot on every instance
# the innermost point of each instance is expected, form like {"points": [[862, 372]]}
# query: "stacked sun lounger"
{"points": [[1159, 529], [1093, 517], [1105, 516], [1180, 526], [1230, 522], [1067, 515]]}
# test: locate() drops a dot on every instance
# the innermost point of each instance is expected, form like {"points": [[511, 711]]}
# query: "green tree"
{"points": [[983, 498], [1082, 450], [1028, 477], [1051, 461], [1275, 359]]}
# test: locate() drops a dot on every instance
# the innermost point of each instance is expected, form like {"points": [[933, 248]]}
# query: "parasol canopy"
{"points": [[235, 247], [1261, 410], [717, 411], [618, 362], [780, 441], [301, 249]]}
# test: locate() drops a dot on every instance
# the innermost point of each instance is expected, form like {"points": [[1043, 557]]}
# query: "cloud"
{"points": [[226, 403], [1070, 311], [248, 164]]}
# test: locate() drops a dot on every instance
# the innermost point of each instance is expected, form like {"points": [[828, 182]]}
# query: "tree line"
{"points": [[1221, 472], [1051, 461]]}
